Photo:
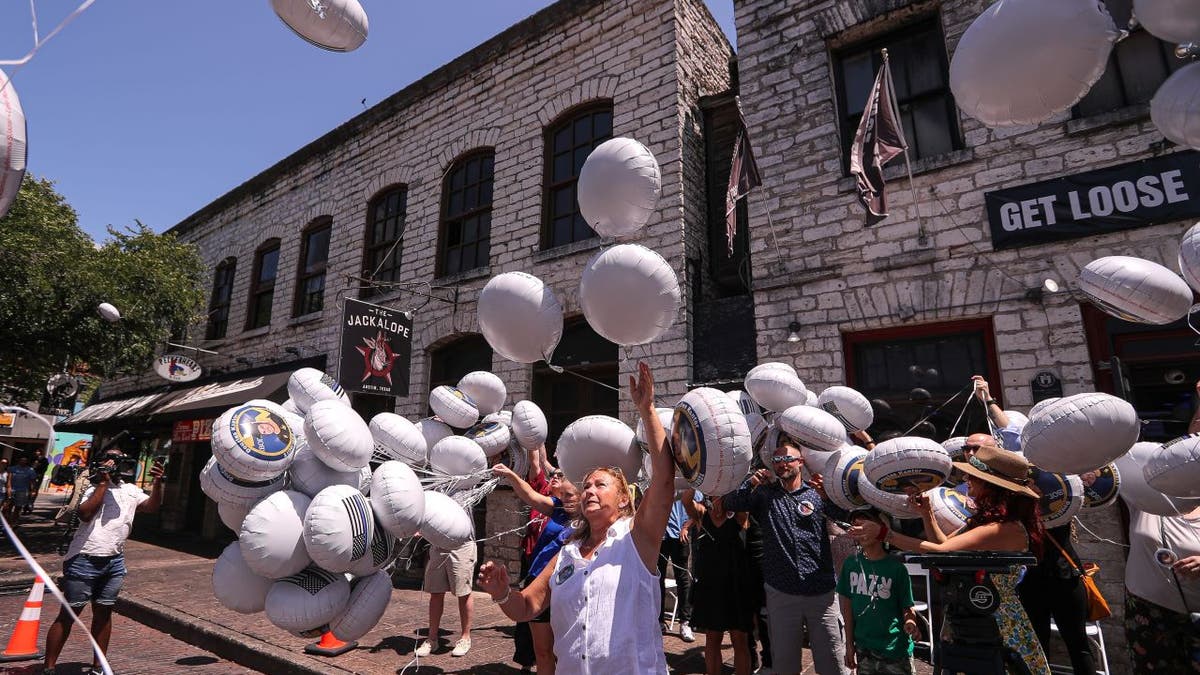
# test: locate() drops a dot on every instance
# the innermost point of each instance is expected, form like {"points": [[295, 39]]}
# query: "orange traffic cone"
{"points": [[22, 646], [329, 646]]}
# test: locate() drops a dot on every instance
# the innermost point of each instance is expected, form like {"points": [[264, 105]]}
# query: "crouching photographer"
{"points": [[94, 566]]}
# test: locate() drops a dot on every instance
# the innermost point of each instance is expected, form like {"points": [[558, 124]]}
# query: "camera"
{"points": [[124, 468]]}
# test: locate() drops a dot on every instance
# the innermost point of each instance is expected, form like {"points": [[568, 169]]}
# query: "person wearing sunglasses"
{"points": [[797, 564], [602, 587]]}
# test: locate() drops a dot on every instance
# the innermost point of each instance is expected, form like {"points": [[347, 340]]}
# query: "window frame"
{"points": [[228, 266], [301, 299], [259, 288], [444, 219], [1113, 65], [371, 248], [566, 119]]}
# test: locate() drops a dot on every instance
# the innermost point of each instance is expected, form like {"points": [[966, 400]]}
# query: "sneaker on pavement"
{"points": [[461, 647], [686, 634], [424, 649]]}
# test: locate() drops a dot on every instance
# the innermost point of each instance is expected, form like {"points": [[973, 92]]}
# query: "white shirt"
{"points": [[604, 611], [1144, 576], [106, 532]]}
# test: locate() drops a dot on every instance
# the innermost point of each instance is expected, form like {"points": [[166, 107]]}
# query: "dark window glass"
{"points": [[567, 396], [569, 141], [218, 304], [385, 227], [919, 69], [1137, 66], [310, 279], [262, 285], [467, 214]]}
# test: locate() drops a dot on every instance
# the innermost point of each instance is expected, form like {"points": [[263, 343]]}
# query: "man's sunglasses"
{"points": [[784, 459], [971, 447], [556, 474]]}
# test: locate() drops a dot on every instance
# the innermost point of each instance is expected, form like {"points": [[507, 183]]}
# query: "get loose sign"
{"points": [[1137, 194]]}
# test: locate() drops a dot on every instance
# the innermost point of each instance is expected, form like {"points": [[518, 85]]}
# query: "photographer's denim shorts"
{"points": [[89, 578]]}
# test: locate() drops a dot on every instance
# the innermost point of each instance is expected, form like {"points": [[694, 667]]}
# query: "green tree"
{"points": [[53, 277]]}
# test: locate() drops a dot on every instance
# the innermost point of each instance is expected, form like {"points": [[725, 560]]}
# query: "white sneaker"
{"points": [[424, 649], [686, 634], [461, 647]]}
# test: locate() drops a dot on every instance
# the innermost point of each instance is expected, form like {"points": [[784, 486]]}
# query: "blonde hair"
{"points": [[583, 529]]}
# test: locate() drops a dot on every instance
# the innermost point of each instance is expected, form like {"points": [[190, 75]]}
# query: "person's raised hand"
{"points": [[981, 388], [921, 503], [502, 471], [641, 388], [493, 579]]}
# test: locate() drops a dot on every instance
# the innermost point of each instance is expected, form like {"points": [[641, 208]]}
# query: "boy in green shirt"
{"points": [[877, 607]]}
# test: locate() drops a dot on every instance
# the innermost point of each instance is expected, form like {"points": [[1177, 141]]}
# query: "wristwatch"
{"points": [[990, 401]]}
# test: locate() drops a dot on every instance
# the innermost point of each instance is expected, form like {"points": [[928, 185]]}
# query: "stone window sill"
{"points": [[305, 318], [1109, 119], [256, 332], [566, 250], [462, 277], [896, 169]]}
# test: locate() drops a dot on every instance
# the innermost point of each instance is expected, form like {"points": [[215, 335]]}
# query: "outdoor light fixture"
{"points": [[793, 331], [1038, 293], [905, 312]]}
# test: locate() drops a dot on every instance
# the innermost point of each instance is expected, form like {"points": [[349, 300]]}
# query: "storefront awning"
{"points": [[114, 409]]}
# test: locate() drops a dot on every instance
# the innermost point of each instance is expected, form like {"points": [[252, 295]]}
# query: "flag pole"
{"points": [[922, 235]]}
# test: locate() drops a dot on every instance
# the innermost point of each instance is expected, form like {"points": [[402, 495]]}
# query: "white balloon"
{"points": [[1174, 107], [309, 385], [759, 428], [954, 447], [812, 427], [338, 528], [711, 441], [811, 399], [1041, 405], [1080, 433], [434, 430], [951, 508], [310, 475], [397, 438], [1173, 21], [254, 441], [893, 504], [225, 488], [775, 388], [107, 311], [767, 444], [369, 598], [486, 389], [909, 461], [1135, 290], [272, 535], [1189, 257], [303, 604], [666, 416], [397, 499], [235, 585], [1016, 419], [290, 406], [336, 25], [843, 477], [529, 425], [458, 456], [850, 407], [594, 441], [446, 524], [520, 317], [364, 480], [745, 402], [12, 159], [1101, 487], [618, 187], [1062, 496], [492, 437], [1174, 469], [453, 406], [1137, 493], [999, 73], [629, 294], [232, 515], [384, 549], [338, 436]]}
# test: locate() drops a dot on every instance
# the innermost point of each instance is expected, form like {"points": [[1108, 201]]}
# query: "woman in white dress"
{"points": [[602, 588]]}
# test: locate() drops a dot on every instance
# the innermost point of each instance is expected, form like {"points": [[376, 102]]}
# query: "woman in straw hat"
{"points": [[1006, 519]]}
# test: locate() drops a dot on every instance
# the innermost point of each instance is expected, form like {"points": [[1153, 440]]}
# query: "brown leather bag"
{"points": [[1097, 606]]}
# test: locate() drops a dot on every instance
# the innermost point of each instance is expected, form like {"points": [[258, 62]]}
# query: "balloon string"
{"points": [[939, 408], [38, 44], [1079, 522], [962, 413], [560, 370]]}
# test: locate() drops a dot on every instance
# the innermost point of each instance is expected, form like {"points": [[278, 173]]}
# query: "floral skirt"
{"points": [[1160, 640]]}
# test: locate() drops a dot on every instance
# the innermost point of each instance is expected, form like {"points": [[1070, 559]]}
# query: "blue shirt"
{"points": [[22, 478], [679, 516], [1010, 437], [552, 538]]}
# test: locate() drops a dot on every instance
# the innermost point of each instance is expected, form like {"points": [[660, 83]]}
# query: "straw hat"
{"points": [[1000, 468]]}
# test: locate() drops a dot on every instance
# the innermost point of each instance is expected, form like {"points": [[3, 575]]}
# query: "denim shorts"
{"points": [[20, 498], [90, 578]]}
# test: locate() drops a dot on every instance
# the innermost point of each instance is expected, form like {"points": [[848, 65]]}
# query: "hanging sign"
{"points": [[177, 368], [1148, 192], [376, 349], [191, 431]]}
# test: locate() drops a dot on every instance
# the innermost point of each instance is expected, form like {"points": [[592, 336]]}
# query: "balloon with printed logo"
{"points": [[434, 430], [842, 477], [899, 464], [334, 25], [304, 603], [1061, 496], [1174, 469], [775, 386], [446, 524], [951, 508], [272, 535], [383, 551], [254, 442], [812, 428], [12, 159], [1189, 257], [1080, 433], [310, 475], [1138, 493], [225, 488], [529, 425], [1172, 21], [889, 502], [369, 598], [1101, 487], [594, 441], [306, 386], [485, 389], [338, 436], [520, 317], [1135, 290], [629, 294], [338, 528], [397, 438], [711, 441], [453, 406], [397, 499], [492, 437], [618, 187], [461, 457], [235, 585], [745, 402], [1002, 86], [850, 408]]}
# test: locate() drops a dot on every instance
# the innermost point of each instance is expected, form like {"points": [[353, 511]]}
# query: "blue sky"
{"points": [[150, 109]]}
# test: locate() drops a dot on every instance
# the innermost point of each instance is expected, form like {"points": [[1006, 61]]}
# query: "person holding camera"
{"points": [[94, 566]]}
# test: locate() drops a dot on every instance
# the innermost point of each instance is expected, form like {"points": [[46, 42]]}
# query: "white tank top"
{"points": [[604, 611]]}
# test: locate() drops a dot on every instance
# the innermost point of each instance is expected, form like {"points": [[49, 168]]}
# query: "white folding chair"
{"points": [[1096, 637], [924, 609], [673, 594]]}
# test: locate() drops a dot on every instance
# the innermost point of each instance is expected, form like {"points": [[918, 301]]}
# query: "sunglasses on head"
{"points": [[784, 459]]}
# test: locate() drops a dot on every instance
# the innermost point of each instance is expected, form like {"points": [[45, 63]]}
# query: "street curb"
{"points": [[12, 585], [242, 649]]}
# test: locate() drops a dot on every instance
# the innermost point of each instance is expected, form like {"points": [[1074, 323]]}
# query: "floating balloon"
{"points": [[1002, 86], [272, 535], [1189, 256], [235, 585], [951, 508], [336, 25], [254, 442], [666, 416], [369, 597], [309, 475], [907, 462], [225, 488], [458, 456], [1137, 493], [711, 441], [850, 408], [889, 502], [812, 428], [745, 402], [309, 385], [12, 159], [434, 430], [842, 477], [516, 458], [775, 388], [1135, 290], [1041, 405], [232, 515], [629, 294], [446, 524], [453, 406], [303, 604], [1080, 433], [500, 417], [595, 441], [397, 438], [383, 551], [520, 317], [397, 499], [618, 187], [485, 389], [492, 437], [1173, 108], [338, 436], [338, 528], [107, 311], [529, 425], [767, 444], [1062, 496], [757, 424], [1101, 487], [1174, 469], [1173, 21]]}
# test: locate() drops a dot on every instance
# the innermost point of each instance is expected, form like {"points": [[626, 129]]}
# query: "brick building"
{"points": [[888, 309]]}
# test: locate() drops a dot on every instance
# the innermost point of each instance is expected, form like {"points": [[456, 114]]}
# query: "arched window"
{"points": [[262, 285], [310, 276], [466, 231], [381, 245], [218, 303], [569, 140]]}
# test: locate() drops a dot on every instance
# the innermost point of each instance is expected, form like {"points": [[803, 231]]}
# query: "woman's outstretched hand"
{"points": [[493, 579], [641, 388]]}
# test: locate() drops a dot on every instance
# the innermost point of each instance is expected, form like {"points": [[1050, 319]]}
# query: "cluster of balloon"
{"points": [[1136, 489], [1001, 86], [1136, 290], [336, 25], [1173, 108], [13, 151]]}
